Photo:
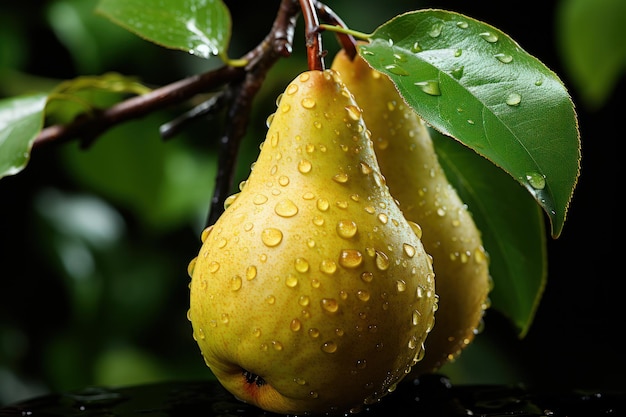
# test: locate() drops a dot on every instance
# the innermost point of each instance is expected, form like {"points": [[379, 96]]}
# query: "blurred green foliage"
{"points": [[95, 242]]}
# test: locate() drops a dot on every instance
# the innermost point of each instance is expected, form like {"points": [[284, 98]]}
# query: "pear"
{"points": [[408, 161], [312, 293]]}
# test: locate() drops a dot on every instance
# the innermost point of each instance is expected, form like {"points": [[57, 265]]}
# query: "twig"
{"points": [[278, 43], [313, 37], [243, 83], [90, 127], [206, 108], [347, 41]]}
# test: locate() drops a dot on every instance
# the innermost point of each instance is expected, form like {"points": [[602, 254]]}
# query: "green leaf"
{"points": [[21, 120], [512, 230], [591, 36], [200, 27], [470, 81]]}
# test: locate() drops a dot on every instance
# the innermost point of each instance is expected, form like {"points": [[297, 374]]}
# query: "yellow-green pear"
{"points": [[407, 159], [312, 293]]}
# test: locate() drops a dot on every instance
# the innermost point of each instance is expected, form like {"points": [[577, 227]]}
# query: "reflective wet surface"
{"points": [[431, 396]]}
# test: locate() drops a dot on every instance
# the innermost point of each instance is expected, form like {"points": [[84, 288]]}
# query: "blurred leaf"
{"points": [[512, 228], [163, 184], [591, 36], [200, 27], [472, 82], [21, 120], [92, 41], [126, 365]]}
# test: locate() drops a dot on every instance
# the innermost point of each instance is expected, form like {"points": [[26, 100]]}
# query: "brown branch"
{"points": [[278, 43], [243, 83], [89, 127]]}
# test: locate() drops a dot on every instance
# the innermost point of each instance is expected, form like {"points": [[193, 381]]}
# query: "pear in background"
{"points": [[408, 161]]}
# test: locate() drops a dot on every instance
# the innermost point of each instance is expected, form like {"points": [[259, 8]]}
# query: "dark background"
{"points": [[118, 316]]}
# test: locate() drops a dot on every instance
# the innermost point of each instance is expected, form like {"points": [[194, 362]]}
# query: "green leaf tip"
{"points": [[472, 82]]}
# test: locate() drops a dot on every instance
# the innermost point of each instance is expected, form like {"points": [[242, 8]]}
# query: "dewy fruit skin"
{"points": [[408, 161], [312, 293]]}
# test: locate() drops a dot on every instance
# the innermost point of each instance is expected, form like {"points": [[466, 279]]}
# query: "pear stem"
{"points": [[313, 37], [346, 39]]}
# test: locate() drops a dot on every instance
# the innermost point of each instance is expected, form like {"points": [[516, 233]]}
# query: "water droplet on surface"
{"points": [[514, 99], [304, 300], [354, 112], [504, 58], [301, 265], [283, 180], [270, 299], [365, 168], [382, 260], [308, 103], [295, 325], [256, 332], [396, 69], [462, 24], [322, 204], [346, 229], [350, 258], [458, 72], [251, 272], [214, 267], [401, 285], [536, 180], [329, 347], [299, 381], [292, 89], [271, 237], [416, 47], [429, 87], [341, 178], [191, 266], [314, 333], [435, 30], [416, 317], [304, 166], [277, 345], [328, 267], [235, 283], [367, 276], [409, 250], [489, 37], [205, 233], [291, 281], [399, 57], [259, 199], [382, 217], [286, 208], [363, 295], [268, 120], [330, 304]]}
